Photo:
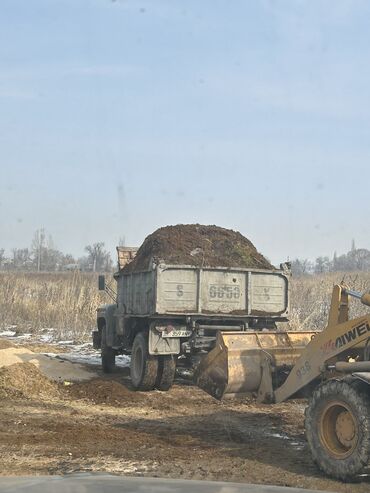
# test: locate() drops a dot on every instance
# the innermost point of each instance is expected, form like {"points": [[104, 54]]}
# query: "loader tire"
{"points": [[108, 355], [144, 367], [166, 372], [337, 423]]}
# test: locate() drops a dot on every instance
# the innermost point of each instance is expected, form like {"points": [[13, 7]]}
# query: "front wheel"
{"points": [[144, 367], [108, 355], [337, 422]]}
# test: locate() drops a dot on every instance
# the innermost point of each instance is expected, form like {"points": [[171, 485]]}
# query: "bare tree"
{"points": [[301, 267], [44, 254], [98, 259], [21, 259], [322, 264], [37, 247]]}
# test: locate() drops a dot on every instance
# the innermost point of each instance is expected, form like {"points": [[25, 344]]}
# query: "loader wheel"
{"points": [[108, 355], [144, 367], [337, 422], [166, 372]]}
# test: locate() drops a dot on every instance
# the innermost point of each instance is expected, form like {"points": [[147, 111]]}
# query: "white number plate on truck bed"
{"points": [[177, 333]]}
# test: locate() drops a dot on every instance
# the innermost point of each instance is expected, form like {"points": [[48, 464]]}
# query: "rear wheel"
{"points": [[144, 367], [338, 427], [166, 372], [108, 355]]}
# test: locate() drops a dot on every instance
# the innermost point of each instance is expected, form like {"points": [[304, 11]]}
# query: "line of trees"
{"points": [[43, 256], [357, 259]]}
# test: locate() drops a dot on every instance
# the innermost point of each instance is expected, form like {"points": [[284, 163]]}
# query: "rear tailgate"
{"points": [[184, 289]]}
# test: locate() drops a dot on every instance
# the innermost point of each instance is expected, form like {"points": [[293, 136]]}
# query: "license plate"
{"points": [[177, 333]]}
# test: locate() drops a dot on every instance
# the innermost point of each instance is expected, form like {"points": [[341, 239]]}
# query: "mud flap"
{"points": [[108, 314], [96, 336], [160, 345]]}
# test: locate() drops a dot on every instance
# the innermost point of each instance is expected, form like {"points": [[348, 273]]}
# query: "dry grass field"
{"points": [[67, 302], [311, 297]]}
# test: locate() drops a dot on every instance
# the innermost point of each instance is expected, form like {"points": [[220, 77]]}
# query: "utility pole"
{"points": [[40, 239], [39, 251]]}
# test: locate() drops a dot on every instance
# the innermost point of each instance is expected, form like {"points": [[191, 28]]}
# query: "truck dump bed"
{"points": [[181, 289]]}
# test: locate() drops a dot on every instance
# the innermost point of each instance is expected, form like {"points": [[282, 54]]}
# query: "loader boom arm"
{"points": [[340, 335]]}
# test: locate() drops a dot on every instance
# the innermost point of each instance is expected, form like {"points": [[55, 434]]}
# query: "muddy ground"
{"points": [[102, 425]]}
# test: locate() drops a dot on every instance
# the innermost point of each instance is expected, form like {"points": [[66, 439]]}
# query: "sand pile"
{"points": [[25, 380], [194, 244], [4, 344], [53, 368]]}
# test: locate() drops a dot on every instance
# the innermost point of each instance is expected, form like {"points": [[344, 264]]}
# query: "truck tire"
{"points": [[143, 367], [337, 423], [108, 355], [166, 372]]}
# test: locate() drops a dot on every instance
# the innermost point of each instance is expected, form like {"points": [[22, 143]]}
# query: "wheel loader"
{"points": [[331, 367]]}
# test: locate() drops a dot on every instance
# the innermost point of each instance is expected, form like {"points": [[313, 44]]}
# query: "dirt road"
{"points": [[102, 425]]}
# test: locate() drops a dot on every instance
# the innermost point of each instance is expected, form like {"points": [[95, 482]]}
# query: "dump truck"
{"points": [[331, 367], [170, 315]]}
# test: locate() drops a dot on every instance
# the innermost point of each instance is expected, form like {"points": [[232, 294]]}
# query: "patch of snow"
{"points": [[46, 338], [7, 333], [83, 347], [297, 445], [21, 337], [279, 435], [91, 357]]}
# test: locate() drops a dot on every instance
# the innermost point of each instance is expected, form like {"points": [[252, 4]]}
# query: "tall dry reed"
{"points": [[311, 297], [66, 302]]}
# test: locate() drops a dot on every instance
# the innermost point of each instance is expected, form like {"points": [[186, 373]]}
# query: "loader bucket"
{"points": [[234, 366]]}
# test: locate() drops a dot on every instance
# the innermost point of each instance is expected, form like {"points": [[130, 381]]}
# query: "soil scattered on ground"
{"points": [[101, 391], [40, 347], [104, 426], [195, 244]]}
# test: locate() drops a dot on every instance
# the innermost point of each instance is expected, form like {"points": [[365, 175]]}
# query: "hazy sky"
{"points": [[117, 117]]}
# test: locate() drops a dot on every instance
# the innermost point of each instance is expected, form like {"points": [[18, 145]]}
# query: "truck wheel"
{"points": [[166, 372], [144, 367], [337, 422], [108, 355]]}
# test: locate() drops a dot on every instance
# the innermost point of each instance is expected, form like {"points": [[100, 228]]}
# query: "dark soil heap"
{"points": [[105, 391], [195, 244]]}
